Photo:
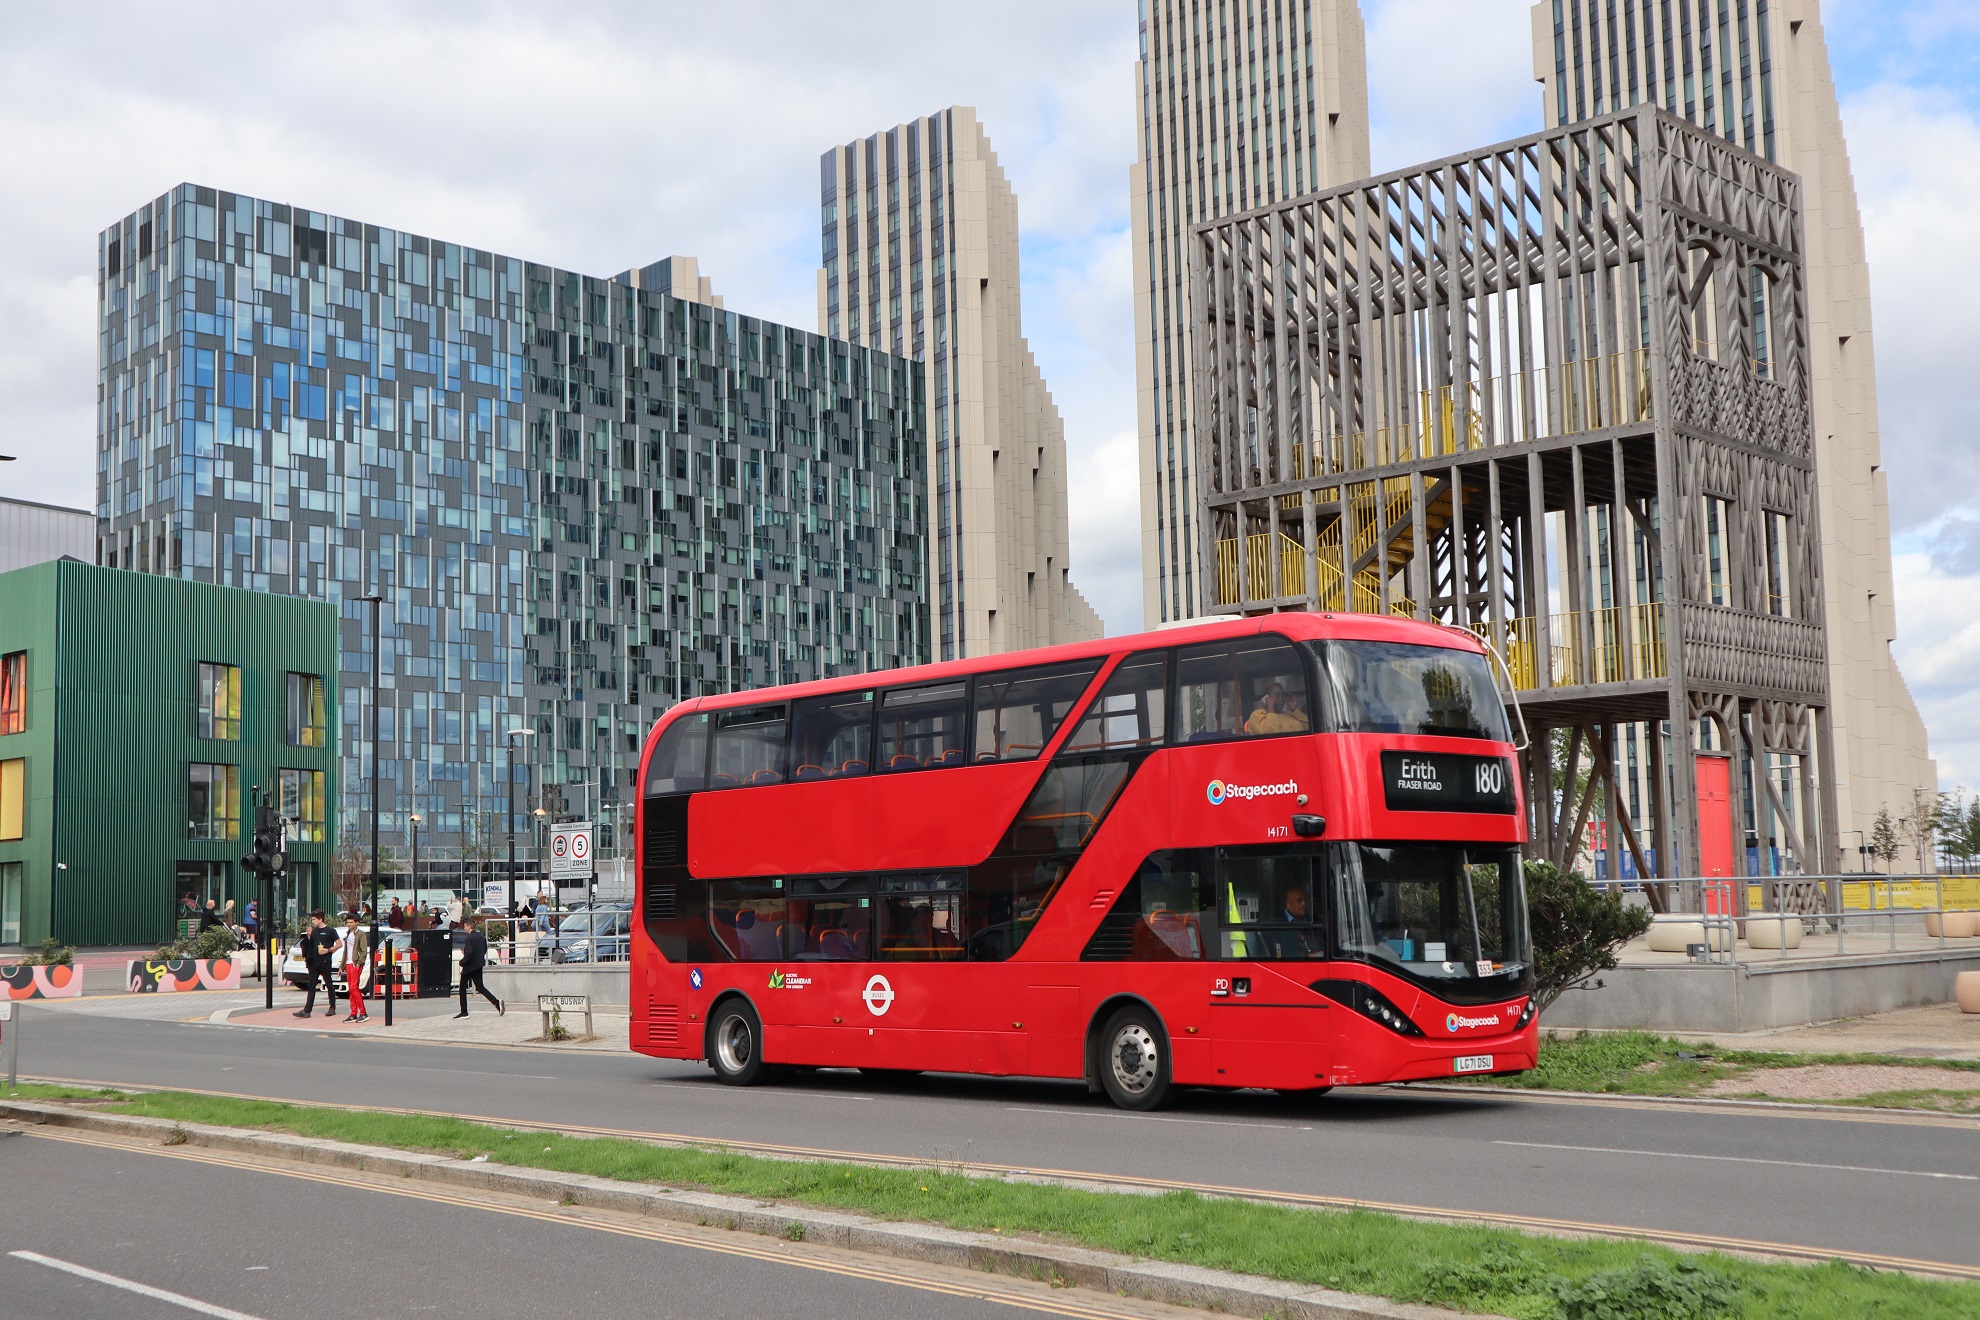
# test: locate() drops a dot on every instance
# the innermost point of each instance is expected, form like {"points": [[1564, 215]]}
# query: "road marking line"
{"points": [[142, 1289], [579, 1219], [1568, 1227], [1743, 1159], [1158, 1118]]}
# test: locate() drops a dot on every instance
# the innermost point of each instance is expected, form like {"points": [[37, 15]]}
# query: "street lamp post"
{"points": [[515, 733], [415, 871], [375, 601]]}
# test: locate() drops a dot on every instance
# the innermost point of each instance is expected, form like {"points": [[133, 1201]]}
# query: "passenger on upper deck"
{"points": [[1276, 713]]}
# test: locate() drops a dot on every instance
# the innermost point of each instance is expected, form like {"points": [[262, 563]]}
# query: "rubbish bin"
{"points": [[435, 951]]}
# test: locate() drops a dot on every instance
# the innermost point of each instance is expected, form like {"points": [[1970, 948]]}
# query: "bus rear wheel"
{"points": [[1134, 1062], [735, 1045]]}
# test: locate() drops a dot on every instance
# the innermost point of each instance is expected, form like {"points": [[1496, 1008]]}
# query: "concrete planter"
{"points": [[151, 976], [25, 981], [1966, 989]]}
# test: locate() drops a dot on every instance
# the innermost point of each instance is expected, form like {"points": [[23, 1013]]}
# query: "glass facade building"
{"points": [[582, 498]]}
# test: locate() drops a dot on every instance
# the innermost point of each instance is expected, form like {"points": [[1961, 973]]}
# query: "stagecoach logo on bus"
{"points": [[1217, 790], [1456, 1021]]}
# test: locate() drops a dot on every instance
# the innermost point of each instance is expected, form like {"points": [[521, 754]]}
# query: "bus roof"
{"points": [[1298, 625]]}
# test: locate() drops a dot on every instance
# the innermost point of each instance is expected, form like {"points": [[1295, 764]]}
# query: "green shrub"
{"points": [[1504, 1280], [1576, 929], [1649, 1289], [52, 954]]}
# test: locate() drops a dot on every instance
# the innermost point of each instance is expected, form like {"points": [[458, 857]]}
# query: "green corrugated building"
{"points": [[137, 714]]}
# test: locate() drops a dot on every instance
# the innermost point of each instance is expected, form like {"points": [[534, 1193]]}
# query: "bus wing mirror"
{"points": [[1309, 827]]}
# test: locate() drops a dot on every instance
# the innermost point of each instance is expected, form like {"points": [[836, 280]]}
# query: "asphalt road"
{"points": [[1902, 1188], [301, 1245]]}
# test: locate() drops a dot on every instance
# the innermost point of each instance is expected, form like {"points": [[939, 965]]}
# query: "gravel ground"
{"points": [[1842, 1081]]}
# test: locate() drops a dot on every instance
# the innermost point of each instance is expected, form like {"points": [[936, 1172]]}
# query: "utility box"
{"points": [[434, 977]]}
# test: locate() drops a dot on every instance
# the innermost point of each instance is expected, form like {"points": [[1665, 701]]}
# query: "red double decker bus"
{"points": [[1277, 852]]}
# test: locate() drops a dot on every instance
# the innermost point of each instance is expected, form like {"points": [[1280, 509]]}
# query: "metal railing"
{"points": [[1885, 908]]}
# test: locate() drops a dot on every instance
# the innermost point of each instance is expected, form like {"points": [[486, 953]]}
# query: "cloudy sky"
{"points": [[603, 135]]}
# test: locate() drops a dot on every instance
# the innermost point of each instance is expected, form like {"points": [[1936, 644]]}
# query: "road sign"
{"points": [[570, 849]]}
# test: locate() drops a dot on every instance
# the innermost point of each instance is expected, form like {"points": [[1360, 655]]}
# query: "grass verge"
{"points": [[1644, 1063], [1469, 1268]]}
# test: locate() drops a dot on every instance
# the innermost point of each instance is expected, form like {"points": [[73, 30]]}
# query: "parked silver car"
{"points": [[600, 934]]}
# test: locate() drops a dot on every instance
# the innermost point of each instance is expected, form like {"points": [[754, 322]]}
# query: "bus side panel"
{"points": [[782, 829], [1244, 791], [660, 1022], [950, 817]]}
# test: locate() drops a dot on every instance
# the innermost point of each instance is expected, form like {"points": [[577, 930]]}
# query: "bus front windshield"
{"points": [[1450, 916]]}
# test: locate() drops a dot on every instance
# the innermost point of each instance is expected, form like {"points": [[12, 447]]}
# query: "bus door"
{"points": [[812, 993], [911, 1003], [1268, 1027]]}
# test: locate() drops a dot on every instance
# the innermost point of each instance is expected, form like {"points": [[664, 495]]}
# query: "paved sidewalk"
{"points": [[1939, 1031], [432, 1021]]}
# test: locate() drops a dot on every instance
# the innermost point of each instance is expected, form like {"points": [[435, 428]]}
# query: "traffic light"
{"points": [[268, 857]]}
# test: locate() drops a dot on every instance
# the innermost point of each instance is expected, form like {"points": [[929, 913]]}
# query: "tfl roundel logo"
{"points": [[1215, 792]]}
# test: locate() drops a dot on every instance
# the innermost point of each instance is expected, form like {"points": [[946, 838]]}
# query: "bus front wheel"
{"points": [[735, 1045], [1134, 1066]]}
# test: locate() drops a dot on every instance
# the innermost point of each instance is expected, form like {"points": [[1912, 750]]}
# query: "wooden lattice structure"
{"points": [[1554, 391]]}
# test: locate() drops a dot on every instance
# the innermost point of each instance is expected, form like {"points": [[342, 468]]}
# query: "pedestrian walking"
{"points": [[355, 951], [396, 918], [227, 918], [251, 919], [209, 916], [318, 944], [474, 956]]}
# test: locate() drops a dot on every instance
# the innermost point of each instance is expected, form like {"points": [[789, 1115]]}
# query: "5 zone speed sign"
{"points": [[570, 849]]}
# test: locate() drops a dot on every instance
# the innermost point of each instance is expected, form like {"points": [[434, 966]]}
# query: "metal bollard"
{"points": [[10, 1038]]}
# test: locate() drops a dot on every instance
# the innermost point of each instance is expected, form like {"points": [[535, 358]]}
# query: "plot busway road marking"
{"points": [[128, 1285], [1744, 1159], [1087, 1178], [575, 1217]]}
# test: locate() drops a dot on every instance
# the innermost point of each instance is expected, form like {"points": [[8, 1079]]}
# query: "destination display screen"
{"points": [[1447, 781]]}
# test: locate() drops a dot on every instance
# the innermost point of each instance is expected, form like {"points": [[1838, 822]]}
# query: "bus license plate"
{"points": [[1473, 1063]]}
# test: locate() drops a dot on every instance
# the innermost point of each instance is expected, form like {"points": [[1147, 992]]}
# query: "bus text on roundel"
{"points": [[879, 995]]}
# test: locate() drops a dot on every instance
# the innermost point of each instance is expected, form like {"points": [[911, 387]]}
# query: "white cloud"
{"points": [[1445, 76], [1916, 158], [1938, 648], [1105, 506]]}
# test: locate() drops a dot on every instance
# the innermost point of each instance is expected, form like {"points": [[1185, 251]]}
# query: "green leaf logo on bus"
{"points": [[777, 978]]}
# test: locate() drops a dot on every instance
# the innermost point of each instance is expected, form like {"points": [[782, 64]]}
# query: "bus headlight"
{"points": [[1370, 1003]]}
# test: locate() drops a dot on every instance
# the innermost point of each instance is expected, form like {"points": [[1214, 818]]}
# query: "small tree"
{"points": [[1577, 930], [1919, 826], [352, 869], [1884, 838]]}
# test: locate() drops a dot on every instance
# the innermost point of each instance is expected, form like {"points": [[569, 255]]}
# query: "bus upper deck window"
{"points": [[749, 748], [831, 737], [680, 761], [1251, 687], [1131, 710], [923, 727], [1019, 710]]}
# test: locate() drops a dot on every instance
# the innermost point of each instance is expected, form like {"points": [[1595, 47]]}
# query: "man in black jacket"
{"points": [[474, 955], [317, 944]]}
